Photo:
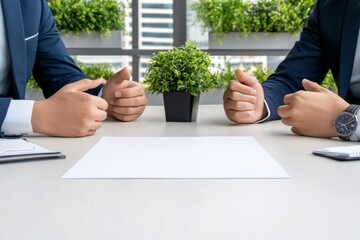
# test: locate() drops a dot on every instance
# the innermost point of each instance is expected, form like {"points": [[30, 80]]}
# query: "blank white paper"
{"points": [[176, 157]]}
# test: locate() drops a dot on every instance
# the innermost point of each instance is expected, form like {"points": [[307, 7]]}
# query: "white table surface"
{"points": [[321, 200]]}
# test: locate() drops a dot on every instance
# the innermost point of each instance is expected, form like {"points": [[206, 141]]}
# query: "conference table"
{"points": [[320, 200]]}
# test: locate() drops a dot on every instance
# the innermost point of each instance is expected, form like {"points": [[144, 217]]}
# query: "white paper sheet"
{"points": [[177, 157]]}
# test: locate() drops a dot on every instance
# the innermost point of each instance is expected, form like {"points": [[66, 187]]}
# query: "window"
{"points": [[151, 27], [157, 25]]}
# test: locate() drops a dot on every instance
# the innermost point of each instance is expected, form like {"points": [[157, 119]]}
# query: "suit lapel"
{"points": [[348, 44], [16, 42]]}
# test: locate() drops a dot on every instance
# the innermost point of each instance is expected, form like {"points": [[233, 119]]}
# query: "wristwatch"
{"points": [[347, 124]]}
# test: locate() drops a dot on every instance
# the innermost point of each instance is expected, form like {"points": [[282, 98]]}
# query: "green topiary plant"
{"points": [[225, 16], [93, 71], [182, 69], [99, 16]]}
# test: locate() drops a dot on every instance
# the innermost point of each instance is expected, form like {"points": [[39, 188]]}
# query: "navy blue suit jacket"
{"points": [[35, 47], [328, 41]]}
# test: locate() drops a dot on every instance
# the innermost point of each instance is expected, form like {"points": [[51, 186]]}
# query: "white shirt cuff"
{"points": [[269, 113], [100, 93], [17, 121]]}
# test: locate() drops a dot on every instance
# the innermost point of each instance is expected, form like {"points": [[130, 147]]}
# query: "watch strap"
{"points": [[352, 108]]}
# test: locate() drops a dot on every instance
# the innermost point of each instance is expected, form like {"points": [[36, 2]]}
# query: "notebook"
{"points": [[340, 153], [18, 150]]}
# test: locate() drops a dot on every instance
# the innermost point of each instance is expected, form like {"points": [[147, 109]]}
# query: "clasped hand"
{"points": [[312, 112], [309, 112], [71, 112], [127, 99]]}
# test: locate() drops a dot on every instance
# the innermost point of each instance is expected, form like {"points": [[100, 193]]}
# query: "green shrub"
{"points": [[329, 82], [228, 74], [183, 69], [224, 16], [76, 16], [261, 74], [94, 71]]}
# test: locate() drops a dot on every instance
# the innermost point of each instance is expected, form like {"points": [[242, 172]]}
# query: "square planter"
{"points": [[93, 40], [180, 106], [255, 41]]}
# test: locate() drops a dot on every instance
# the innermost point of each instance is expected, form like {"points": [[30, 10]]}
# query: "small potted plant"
{"points": [[181, 74]]}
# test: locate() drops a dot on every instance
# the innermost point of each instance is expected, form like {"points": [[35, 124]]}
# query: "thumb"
{"points": [[245, 78], [312, 86], [120, 76], [85, 84]]}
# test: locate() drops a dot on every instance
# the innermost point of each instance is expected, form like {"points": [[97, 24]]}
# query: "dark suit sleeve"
{"points": [[4, 105], [53, 67], [305, 60]]}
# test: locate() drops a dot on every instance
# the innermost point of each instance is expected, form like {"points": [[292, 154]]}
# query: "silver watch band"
{"points": [[354, 109]]}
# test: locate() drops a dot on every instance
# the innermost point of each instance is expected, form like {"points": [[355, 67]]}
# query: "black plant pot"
{"points": [[180, 106]]}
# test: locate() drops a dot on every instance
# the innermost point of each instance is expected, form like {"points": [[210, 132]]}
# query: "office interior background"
{"points": [[157, 25], [156, 32]]}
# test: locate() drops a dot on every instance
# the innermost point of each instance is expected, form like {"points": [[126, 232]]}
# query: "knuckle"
{"points": [[121, 117], [233, 85], [299, 95], [232, 95], [296, 98], [104, 117], [86, 116], [82, 132], [103, 102], [85, 99], [138, 101], [239, 105], [88, 81], [295, 113], [106, 104], [244, 115], [284, 120], [125, 111], [141, 89]]}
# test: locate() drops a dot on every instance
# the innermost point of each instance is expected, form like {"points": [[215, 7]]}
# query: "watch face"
{"points": [[345, 124]]}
